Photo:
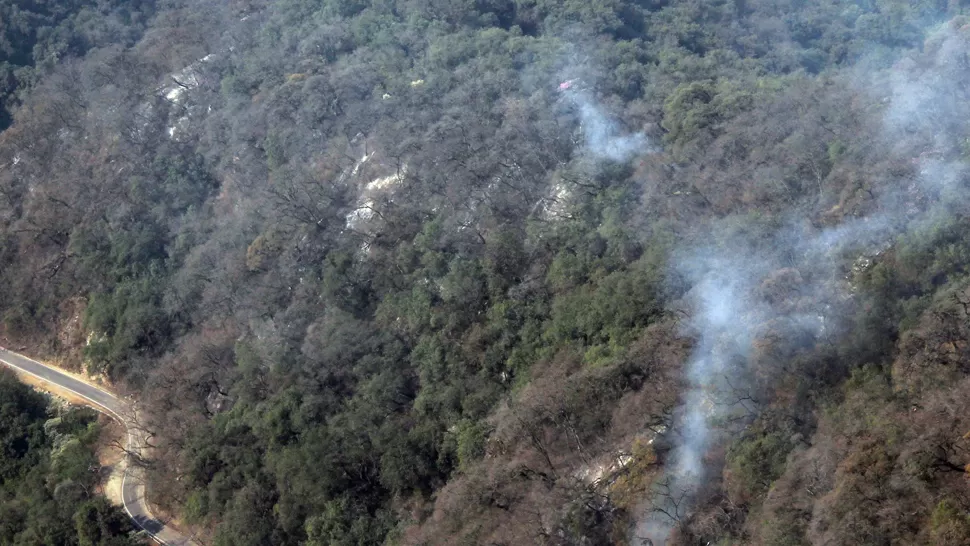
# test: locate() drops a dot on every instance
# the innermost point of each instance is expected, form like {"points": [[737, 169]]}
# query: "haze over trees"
{"points": [[420, 271]]}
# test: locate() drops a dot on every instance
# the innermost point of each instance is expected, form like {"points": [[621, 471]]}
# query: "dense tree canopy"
{"points": [[407, 271], [48, 474]]}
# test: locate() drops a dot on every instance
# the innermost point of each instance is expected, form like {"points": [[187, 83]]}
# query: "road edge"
{"points": [[103, 409]]}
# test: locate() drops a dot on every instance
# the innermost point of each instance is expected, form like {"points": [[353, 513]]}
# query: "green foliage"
{"points": [[934, 254], [196, 507], [18, 319], [755, 460], [836, 149], [608, 312], [35, 36], [99, 524], [127, 322], [949, 525], [341, 524], [319, 379], [47, 481], [22, 413], [471, 439], [786, 528], [700, 107]]}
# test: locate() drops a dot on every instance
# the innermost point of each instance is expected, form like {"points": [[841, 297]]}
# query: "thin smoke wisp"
{"points": [[602, 135], [734, 307]]}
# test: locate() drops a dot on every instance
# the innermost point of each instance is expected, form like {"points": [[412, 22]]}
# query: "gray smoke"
{"points": [[734, 303], [603, 137]]}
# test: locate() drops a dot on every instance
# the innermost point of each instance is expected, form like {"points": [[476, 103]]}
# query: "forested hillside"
{"points": [[35, 35], [507, 271]]}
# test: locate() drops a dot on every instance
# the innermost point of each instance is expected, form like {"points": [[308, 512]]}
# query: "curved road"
{"points": [[132, 484]]}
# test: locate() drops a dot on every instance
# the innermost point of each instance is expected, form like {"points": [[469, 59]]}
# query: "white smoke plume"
{"points": [[602, 135], [603, 138], [730, 305]]}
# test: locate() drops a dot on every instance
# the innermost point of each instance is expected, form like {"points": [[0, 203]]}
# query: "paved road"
{"points": [[133, 484]]}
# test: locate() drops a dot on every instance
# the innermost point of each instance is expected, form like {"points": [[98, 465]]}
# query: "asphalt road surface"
{"points": [[133, 484]]}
